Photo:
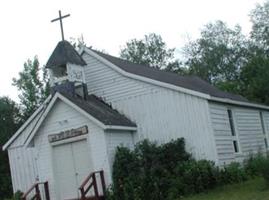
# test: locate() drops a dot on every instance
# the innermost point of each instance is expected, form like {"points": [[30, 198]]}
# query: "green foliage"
{"points": [[250, 190], [258, 165], [151, 51], [232, 173], [167, 171], [254, 77], [196, 176], [265, 171], [260, 25], [33, 88], [254, 164], [217, 55], [16, 196], [9, 122]]}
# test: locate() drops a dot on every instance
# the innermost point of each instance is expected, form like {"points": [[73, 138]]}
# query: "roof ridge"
{"points": [[191, 82]]}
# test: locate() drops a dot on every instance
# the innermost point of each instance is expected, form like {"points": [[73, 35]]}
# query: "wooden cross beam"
{"points": [[61, 23]]}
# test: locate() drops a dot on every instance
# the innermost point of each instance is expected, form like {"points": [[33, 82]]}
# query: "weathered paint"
{"points": [[161, 114], [247, 126]]}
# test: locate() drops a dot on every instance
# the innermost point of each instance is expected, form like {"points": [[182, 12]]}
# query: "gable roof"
{"points": [[189, 82], [101, 111], [94, 108], [64, 53]]}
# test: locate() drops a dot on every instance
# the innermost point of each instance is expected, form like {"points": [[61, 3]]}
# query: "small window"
{"points": [[266, 143], [231, 122], [236, 150], [263, 130], [262, 122], [233, 132]]}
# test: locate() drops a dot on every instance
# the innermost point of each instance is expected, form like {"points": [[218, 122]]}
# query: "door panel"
{"points": [[81, 160], [71, 166], [64, 171]]}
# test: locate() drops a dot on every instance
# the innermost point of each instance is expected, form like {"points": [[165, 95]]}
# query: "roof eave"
{"points": [[116, 127], [170, 86], [239, 103]]}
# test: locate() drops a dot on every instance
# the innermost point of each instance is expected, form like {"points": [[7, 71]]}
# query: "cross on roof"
{"points": [[61, 23]]}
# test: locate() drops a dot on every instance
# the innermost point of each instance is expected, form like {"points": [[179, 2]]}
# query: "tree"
{"points": [[218, 55], [151, 51], [33, 88], [255, 79], [254, 75], [9, 122], [260, 25]]}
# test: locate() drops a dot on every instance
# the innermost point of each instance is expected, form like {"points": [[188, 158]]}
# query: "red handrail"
{"points": [[92, 181], [35, 188]]}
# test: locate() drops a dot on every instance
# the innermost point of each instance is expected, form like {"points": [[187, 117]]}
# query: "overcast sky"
{"points": [[26, 30]]}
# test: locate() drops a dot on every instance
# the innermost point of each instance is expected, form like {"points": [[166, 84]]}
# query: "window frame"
{"points": [[264, 130], [234, 131]]}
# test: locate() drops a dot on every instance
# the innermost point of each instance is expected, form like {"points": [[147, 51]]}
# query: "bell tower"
{"points": [[66, 70], [65, 67]]}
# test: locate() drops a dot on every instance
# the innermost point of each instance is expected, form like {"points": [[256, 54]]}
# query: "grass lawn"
{"points": [[250, 190]]}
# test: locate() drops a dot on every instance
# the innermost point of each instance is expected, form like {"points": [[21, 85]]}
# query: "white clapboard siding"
{"points": [[23, 168], [105, 82], [63, 117], [247, 126], [161, 114], [266, 124], [222, 133], [249, 129]]}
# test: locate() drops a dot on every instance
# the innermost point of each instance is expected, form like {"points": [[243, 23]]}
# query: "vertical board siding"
{"points": [[23, 168], [247, 126], [161, 114], [116, 139]]}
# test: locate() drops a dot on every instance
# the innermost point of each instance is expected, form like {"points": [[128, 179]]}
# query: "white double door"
{"points": [[71, 167]]}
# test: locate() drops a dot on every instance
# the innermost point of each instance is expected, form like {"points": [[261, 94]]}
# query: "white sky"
{"points": [[26, 30]]}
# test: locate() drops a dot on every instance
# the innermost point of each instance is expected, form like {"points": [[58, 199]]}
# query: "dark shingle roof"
{"points": [[101, 111], [189, 82], [64, 53]]}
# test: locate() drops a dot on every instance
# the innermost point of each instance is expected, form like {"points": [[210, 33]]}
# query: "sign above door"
{"points": [[68, 134]]}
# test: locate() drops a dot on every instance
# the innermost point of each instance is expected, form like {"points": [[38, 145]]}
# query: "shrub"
{"points": [[167, 171], [197, 176], [255, 164], [150, 167], [16, 196], [265, 171], [232, 173]]}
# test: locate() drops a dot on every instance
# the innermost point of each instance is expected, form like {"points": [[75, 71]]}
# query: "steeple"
{"points": [[64, 53], [66, 70]]}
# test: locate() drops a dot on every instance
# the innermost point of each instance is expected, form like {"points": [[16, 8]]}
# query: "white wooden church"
{"points": [[99, 102]]}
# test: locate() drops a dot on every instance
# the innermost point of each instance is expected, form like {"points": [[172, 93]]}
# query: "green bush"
{"points": [[16, 196], [254, 164], [196, 176], [232, 173], [265, 171], [167, 171]]}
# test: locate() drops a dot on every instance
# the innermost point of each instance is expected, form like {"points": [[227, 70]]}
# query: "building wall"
{"points": [[161, 114], [248, 129], [63, 117], [116, 139], [23, 166]]}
